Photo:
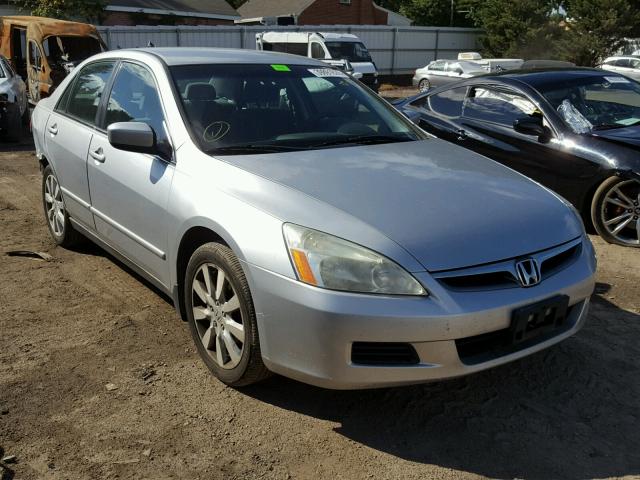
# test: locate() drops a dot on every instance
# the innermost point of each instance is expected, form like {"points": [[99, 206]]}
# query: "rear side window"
{"points": [[86, 92], [497, 106], [622, 62], [448, 103]]}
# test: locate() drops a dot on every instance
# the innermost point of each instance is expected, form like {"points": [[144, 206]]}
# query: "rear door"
{"points": [[68, 133], [130, 191]]}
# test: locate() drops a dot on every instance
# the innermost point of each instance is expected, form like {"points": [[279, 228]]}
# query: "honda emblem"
{"points": [[528, 272]]}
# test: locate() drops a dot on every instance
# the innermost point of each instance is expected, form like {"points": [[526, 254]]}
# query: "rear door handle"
{"points": [[97, 155], [53, 129], [462, 135]]}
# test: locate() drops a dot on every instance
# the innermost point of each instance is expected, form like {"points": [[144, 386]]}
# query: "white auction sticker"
{"points": [[327, 72], [616, 80]]}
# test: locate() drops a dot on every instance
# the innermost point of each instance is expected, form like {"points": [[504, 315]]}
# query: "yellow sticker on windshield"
{"points": [[281, 68]]}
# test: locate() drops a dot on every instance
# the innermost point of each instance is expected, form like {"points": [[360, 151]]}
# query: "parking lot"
{"points": [[99, 379]]}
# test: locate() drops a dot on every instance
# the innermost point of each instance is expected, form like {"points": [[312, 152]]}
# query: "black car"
{"points": [[574, 130]]}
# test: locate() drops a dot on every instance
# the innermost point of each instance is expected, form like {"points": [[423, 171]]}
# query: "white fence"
{"points": [[396, 50]]}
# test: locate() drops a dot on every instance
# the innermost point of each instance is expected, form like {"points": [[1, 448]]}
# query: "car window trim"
{"points": [[510, 90], [102, 108]]}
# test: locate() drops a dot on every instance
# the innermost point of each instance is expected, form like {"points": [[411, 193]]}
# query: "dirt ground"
{"points": [[81, 321]]}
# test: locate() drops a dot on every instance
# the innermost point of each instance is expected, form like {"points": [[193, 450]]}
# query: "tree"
{"points": [[86, 10], [597, 28], [431, 13]]}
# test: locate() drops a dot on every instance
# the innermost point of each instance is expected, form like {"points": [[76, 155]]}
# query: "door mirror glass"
{"points": [[528, 126], [132, 137]]}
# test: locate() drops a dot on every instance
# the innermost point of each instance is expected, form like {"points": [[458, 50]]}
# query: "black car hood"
{"points": [[629, 136]]}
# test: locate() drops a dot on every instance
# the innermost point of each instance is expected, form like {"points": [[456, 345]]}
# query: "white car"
{"points": [[440, 72], [13, 100], [625, 65]]}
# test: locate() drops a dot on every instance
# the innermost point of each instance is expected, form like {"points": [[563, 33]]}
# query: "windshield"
{"points": [[61, 49], [236, 109], [596, 103], [352, 51]]}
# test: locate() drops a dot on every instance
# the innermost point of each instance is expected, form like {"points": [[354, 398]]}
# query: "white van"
{"points": [[333, 48]]}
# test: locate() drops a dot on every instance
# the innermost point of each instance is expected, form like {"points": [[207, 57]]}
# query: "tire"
{"points": [[56, 216], [615, 211], [424, 85], [227, 340], [26, 115]]}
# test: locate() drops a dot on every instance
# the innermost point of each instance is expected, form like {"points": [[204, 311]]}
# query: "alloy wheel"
{"points": [[54, 205], [424, 85], [620, 212], [217, 315]]}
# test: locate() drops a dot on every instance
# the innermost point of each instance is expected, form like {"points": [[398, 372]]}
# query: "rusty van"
{"points": [[44, 50]]}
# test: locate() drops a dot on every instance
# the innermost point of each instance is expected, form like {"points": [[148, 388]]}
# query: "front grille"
{"points": [[487, 346], [501, 275], [383, 353]]}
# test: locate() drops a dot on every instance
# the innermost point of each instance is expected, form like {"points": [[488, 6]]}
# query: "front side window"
{"points": [[437, 66], [84, 98], [269, 108], [134, 98], [498, 106]]}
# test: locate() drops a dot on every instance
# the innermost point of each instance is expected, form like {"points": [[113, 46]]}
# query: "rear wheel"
{"points": [[221, 316], [424, 85], [615, 211], [55, 211]]}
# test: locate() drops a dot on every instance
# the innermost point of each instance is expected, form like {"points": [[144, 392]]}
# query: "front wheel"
{"points": [[424, 85], [615, 211], [221, 317]]}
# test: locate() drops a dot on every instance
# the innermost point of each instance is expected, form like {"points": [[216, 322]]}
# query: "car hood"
{"points": [[447, 206], [629, 136]]}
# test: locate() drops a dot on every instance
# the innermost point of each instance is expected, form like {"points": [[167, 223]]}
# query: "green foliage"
{"points": [[82, 10], [580, 31]]}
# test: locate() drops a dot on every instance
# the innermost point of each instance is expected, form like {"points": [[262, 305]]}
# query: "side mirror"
{"points": [[528, 126], [132, 137]]}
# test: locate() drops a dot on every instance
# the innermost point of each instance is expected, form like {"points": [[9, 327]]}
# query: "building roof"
{"points": [[183, 8], [273, 8]]}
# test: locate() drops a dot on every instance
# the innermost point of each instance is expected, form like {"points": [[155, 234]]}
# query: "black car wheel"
{"points": [[424, 85], [221, 316], [615, 211]]}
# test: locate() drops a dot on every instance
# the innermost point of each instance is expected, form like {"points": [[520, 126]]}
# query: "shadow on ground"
{"points": [[568, 412]]}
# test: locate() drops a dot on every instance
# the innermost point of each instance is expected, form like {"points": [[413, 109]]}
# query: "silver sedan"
{"points": [[442, 72], [301, 225]]}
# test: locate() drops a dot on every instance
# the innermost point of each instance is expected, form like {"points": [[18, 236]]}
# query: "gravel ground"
{"points": [[99, 379]]}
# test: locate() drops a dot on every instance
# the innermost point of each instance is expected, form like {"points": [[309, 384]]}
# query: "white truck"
{"points": [[338, 49], [492, 64]]}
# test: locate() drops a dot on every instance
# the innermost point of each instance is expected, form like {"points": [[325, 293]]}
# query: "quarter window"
{"points": [[317, 50], [134, 98], [448, 103], [497, 106], [86, 91]]}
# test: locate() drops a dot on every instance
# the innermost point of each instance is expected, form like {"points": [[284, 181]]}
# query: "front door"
{"points": [[130, 191]]}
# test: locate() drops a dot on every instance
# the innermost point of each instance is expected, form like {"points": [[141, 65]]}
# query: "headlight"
{"points": [[330, 262]]}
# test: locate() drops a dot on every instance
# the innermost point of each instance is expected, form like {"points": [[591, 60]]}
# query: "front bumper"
{"points": [[307, 333]]}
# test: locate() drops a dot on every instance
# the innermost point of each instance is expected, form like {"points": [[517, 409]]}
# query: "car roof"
{"points": [[540, 78], [196, 56]]}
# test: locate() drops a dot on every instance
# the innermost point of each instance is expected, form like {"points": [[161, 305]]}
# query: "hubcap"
{"points": [[54, 205], [620, 212], [217, 315], [424, 85]]}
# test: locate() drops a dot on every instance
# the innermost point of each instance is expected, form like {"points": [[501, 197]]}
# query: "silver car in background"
{"points": [[441, 72], [14, 107], [628, 65], [301, 225]]}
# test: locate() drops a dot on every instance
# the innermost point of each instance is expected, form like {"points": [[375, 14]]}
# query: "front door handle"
{"points": [[53, 129], [462, 135], [97, 155]]}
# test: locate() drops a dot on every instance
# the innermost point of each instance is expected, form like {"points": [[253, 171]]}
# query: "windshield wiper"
{"points": [[250, 149], [363, 140]]}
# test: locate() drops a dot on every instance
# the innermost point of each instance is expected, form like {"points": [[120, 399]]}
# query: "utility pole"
{"points": [[451, 22]]}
